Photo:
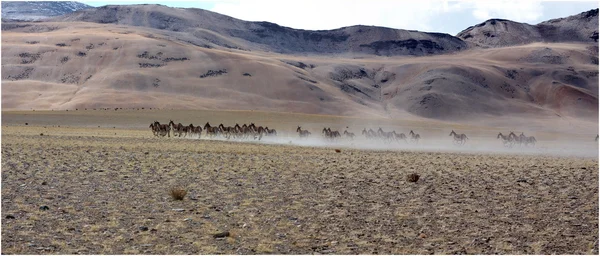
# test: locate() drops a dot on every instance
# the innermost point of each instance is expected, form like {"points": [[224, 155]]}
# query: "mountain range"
{"points": [[161, 57]]}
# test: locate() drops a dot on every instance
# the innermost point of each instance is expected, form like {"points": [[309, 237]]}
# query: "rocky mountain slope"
{"points": [[213, 30], [582, 27], [36, 10], [159, 57]]}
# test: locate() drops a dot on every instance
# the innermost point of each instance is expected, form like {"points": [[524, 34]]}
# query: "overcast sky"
{"points": [[444, 16]]}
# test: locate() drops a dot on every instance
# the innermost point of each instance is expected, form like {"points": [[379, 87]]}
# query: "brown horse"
{"points": [[245, 131], [211, 130], [386, 136], [252, 130], [372, 133], [271, 132], [198, 130], [527, 140], [400, 136], [349, 134], [238, 131], [227, 131], [177, 128], [302, 133], [508, 141], [415, 136], [256, 131], [186, 129], [459, 139], [516, 139], [260, 132], [336, 134], [329, 134], [195, 130], [368, 134], [154, 129], [162, 129]]}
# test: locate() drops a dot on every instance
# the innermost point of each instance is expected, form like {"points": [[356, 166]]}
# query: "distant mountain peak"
{"points": [[37, 10], [582, 27], [264, 35]]}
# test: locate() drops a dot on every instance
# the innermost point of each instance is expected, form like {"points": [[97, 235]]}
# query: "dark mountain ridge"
{"points": [[199, 27], [270, 36], [582, 27]]}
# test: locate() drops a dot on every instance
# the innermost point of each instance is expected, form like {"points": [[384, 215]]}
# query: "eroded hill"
{"points": [[86, 65], [72, 64], [582, 27], [210, 29]]}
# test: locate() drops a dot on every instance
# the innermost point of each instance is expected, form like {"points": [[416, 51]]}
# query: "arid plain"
{"points": [[82, 172], [105, 181]]}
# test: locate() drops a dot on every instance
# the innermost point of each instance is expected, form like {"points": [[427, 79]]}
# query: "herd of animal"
{"points": [[228, 132], [381, 135], [245, 132], [512, 139]]}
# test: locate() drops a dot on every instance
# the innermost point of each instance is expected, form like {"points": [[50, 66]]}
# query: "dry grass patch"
{"points": [[177, 193]]}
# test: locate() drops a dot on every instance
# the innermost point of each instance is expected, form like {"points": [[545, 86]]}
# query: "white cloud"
{"points": [[515, 10], [448, 16], [330, 14]]}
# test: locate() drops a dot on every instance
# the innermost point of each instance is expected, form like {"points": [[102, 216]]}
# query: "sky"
{"points": [[444, 16]]}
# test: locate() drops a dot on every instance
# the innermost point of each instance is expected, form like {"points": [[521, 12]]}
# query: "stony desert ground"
{"points": [[83, 174], [97, 182]]}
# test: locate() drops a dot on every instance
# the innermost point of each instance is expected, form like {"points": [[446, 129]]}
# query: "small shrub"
{"points": [[338, 151], [177, 193], [214, 73], [412, 177], [222, 234]]}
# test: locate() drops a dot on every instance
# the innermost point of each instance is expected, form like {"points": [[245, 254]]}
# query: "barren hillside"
{"points": [[72, 64], [582, 27], [209, 29]]}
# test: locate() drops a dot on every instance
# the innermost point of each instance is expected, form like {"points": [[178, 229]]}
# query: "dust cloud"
{"points": [[445, 144]]}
